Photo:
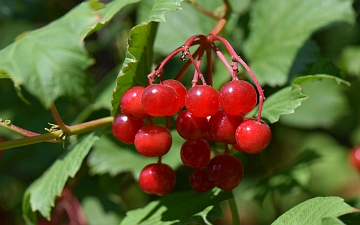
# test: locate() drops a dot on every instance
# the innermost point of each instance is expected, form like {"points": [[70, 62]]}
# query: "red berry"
{"points": [[153, 140], [195, 153], [191, 127], [180, 91], [237, 147], [202, 101], [237, 97], [159, 100], [253, 136], [125, 128], [199, 180], [157, 178], [130, 103], [222, 127], [225, 171], [354, 157]]}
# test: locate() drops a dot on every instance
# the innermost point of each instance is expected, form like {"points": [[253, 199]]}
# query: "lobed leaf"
{"points": [[283, 102], [180, 208], [316, 211], [139, 55], [305, 79], [280, 28], [40, 195], [50, 62]]}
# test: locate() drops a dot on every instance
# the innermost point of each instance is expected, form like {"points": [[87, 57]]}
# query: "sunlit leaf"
{"points": [[279, 29], [40, 195], [314, 211], [139, 55], [180, 208]]}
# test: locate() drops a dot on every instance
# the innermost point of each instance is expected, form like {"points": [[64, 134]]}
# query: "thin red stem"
{"points": [[209, 67]]}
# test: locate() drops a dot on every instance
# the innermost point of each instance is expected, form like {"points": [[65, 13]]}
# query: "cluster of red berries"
{"points": [[210, 115]]}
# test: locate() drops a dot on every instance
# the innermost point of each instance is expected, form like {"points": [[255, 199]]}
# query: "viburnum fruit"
{"points": [[222, 127], [195, 153], [124, 128], [158, 179], [159, 100], [130, 103], [354, 157], [202, 101], [153, 140], [225, 171], [237, 97], [180, 91], [252, 136], [199, 180], [191, 127]]}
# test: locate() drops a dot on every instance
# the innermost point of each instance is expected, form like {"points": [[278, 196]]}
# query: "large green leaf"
{"points": [[315, 211], [139, 55], [180, 208], [40, 195], [108, 157], [279, 28], [350, 59], [283, 102], [51, 61], [325, 105], [286, 100]]}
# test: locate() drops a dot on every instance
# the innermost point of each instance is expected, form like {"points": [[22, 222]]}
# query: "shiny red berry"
{"points": [[191, 127], [180, 91], [225, 171], [237, 97], [153, 140], [158, 179], [202, 101], [130, 103], [222, 127], [124, 128], [253, 136], [195, 153], [159, 100]]}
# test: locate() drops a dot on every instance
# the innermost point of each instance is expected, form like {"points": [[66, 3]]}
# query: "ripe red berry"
{"points": [[130, 103], [159, 100], [237, 97], [195, 153], [180, 91], [124, 128], [199, 180], [354, 157], [225, 171], [158, 179], [202, 101], [222, 127], [191, 127], [253, 136], [153, 140]]}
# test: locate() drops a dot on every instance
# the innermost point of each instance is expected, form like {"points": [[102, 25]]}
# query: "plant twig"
{"points": [[58, 119], [234, 212]]}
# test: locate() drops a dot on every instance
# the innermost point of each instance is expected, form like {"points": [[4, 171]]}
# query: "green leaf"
{"points": [[325, 105], [284, 101], [139, 55], [50, 61], [3, 74], [313, 211], [280, 28], [180, 208], [305, 79], [112, 158], [40, 195]]}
